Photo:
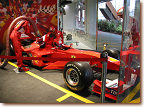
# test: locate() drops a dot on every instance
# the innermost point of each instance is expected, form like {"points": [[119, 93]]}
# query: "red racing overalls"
{"points": [[16, 42]]}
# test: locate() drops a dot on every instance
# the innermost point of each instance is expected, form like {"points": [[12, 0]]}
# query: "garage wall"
{"points": [[69, 19]]}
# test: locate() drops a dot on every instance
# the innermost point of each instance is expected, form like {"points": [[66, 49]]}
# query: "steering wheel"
{"points": [[3, 62]]}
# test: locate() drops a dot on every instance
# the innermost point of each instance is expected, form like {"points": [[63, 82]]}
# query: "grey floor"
{"points": [[23, 88]]}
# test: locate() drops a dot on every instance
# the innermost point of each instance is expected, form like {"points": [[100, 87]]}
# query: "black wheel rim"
{"points": [[72, 77]]}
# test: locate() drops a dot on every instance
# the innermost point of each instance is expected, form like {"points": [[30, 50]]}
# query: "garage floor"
{"points": [[40, 87]]}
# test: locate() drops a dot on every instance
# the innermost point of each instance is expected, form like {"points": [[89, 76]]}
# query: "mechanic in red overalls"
{"points": [[53, 37], [22, 27]]}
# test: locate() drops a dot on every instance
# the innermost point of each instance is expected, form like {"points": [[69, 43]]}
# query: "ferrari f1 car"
{"points": [[78, 75]]}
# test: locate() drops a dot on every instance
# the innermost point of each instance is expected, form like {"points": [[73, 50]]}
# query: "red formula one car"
{"points": [[77, 75]]}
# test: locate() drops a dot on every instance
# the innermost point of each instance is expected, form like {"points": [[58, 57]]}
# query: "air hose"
{"points": [[11, 27]]}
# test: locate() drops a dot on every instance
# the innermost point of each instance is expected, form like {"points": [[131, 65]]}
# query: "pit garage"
{"points": [[80, 51]]}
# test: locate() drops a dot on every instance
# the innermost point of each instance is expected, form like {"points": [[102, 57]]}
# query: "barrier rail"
{"points": [[55, 59]]}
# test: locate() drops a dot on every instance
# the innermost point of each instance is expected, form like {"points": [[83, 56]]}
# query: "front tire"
{"points": [[78, 75]]}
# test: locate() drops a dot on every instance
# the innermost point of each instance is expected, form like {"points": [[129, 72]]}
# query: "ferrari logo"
{"points": [[72, 56]]}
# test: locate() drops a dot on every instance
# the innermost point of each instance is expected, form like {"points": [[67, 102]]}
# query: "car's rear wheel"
{"points": [[113, 53], [78, 75], [3, 62]]}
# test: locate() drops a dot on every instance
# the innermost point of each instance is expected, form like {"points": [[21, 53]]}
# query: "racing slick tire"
{"points": [[3, 62], [78, 75], [113, 53], [12, 52]]}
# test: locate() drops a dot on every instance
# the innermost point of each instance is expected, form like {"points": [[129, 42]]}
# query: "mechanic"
{"points": [[53, 37], [22, 27]]}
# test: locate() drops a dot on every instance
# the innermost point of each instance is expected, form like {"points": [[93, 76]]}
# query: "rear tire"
{"points": [[3, 62], [113, 53], [78, 75]]}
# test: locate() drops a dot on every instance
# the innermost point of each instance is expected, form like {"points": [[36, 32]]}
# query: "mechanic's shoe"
{"points": [[23, 69]]}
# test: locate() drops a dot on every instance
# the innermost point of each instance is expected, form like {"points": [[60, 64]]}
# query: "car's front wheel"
{"points": [[78, 75]]}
